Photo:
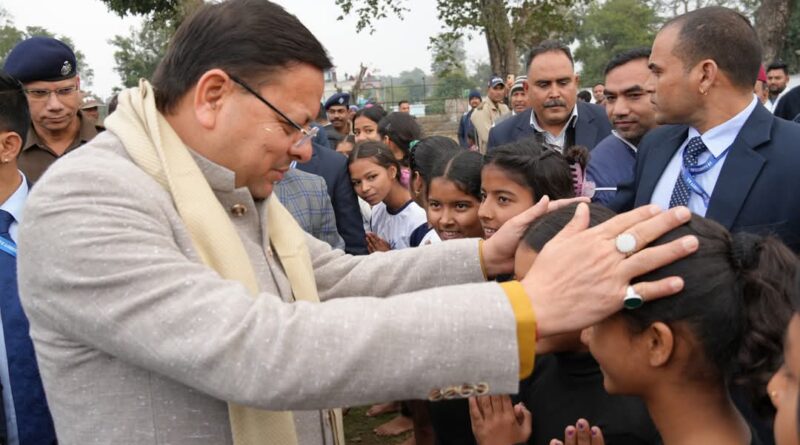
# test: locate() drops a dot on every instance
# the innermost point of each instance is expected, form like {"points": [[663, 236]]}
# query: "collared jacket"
{"points": [[140, 343], [483, 119]]}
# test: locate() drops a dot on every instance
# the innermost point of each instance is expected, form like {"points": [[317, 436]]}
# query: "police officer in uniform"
{"points": [[337, 108], [48, 70]]}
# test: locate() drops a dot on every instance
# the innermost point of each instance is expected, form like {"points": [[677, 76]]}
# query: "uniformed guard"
{"points": [[337, 108], [90, 109], [48, 70]]}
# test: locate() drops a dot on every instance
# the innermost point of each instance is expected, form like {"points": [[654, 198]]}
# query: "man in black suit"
{"points": [[332, 167], [725, 155], [554, 119]]}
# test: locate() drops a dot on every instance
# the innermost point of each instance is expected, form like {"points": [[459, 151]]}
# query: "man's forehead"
{"points": [[41, 84], [550, 66], [625, 76], [337, 108]]}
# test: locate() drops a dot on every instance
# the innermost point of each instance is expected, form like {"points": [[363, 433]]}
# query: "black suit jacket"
{"points": [[332, 166], [591, 128], [757, 187]]}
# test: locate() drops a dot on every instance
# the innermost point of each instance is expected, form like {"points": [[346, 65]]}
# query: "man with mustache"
{"points": [[555, 119], [49, 72], [631, 114], [777, 79], [337, 107]]}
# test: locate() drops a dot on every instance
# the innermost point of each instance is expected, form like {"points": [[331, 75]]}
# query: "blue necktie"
{"points": [[682, 191], [34, 424]]}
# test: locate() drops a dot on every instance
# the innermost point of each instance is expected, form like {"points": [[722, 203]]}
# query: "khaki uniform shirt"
{"points": [[36, 157]]}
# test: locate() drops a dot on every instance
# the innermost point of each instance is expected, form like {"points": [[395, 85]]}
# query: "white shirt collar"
{"points": [[719, 138], [573, 118], [625, 141], [15, 205]]}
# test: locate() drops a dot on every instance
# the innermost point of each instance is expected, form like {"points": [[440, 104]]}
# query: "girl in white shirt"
{"points": [[375, 174]]}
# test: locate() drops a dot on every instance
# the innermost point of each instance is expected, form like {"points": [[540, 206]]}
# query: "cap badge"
{"points": [[341, 100], [66, 68]]}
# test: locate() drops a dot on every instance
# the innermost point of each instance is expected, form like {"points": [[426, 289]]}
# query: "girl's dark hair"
{"points": [[378, 151], [423, 156], [14, 113], [463, 168], [544, 171], [543, 229], [402, 129], [736, 302], [374, 113]]}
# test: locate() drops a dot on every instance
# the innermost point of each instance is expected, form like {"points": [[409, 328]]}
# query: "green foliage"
{"points": [[508, 25], [610, 28], [481, 75], [452, 85], [10, 35], [165, 11], [449, 55], [368, 12], [138, 54]]}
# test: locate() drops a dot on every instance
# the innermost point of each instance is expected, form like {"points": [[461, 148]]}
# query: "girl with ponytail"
{"points": [[725, 329], [515, 176], [682, 355]]}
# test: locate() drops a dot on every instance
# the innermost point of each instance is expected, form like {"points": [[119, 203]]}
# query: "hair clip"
{"points": [[582, 186]]}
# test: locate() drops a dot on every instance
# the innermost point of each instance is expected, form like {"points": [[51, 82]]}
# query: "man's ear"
{"points": [[577, 81], [10, 146], [660, 343], [212, 90], [709, 71]]}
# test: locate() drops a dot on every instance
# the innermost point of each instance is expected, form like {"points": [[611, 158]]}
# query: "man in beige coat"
{"points": [[490, 111], [166, 308]]}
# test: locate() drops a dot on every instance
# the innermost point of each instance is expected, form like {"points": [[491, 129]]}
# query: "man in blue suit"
{"points": [[725, 156], [555, 118], [332, 167], [26, 417]]}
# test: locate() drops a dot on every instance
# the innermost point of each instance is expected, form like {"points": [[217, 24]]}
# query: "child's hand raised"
{"points": [[377, 244], [581, 434], [496, 422]]}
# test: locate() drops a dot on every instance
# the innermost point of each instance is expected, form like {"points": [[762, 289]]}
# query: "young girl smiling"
{"points": [[515, 176], [454, 196]]}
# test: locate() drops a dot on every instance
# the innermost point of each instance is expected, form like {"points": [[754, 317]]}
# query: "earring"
{"points": [[703, 92]]}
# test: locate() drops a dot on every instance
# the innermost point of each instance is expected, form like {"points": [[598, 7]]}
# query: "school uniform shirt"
{"points": [[396, 226]]}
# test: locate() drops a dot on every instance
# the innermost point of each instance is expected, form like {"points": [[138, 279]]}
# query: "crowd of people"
{"points": [[226, 260]]}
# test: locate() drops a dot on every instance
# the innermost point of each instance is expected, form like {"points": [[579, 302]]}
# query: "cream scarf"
{"points": [[156, 148]]}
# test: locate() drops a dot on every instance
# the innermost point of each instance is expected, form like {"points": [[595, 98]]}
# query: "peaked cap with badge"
{"points": [[338, 99], [41, 59]]}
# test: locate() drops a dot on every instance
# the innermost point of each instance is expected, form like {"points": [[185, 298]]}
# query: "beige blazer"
{"points": [[140, 343]]}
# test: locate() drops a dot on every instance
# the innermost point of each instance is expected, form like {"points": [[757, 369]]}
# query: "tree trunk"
{"points": [[498, 37], [772, 19], [357, 85]]}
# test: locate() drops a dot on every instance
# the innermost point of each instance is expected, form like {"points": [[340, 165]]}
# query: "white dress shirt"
{"points": [[556, 141], [717, 139], [13, 205]]}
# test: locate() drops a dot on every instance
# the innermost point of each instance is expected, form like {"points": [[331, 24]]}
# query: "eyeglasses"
{"points": [[44, 94], [308, 135]]}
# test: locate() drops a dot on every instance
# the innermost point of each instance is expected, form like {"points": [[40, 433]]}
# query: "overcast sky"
{"points": [[394, 47]]}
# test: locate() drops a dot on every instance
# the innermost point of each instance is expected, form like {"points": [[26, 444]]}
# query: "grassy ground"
{"points": [[358, 428]]}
